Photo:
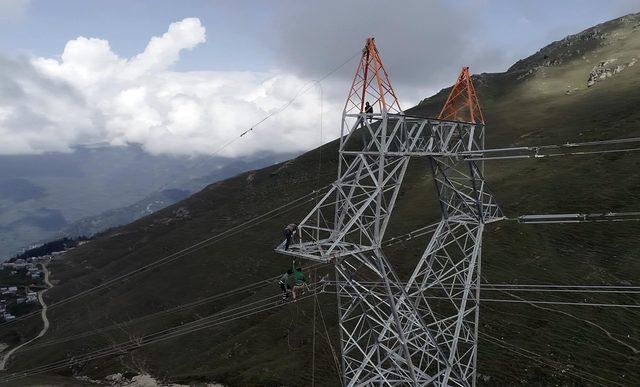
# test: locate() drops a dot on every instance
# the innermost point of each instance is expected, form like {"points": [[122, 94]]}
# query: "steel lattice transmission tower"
{"points": [[422, 331]]}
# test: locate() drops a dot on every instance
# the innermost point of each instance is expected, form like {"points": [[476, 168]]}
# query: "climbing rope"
{"points": [[313, 340], [330, 344]]}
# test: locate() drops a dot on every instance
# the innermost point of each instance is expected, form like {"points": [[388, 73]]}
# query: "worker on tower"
{"points": [[289, 232], [285, 284], [368, 109], [300, 281]]}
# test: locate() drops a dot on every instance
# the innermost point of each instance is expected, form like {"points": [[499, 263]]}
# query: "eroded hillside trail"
{"points": [[43, 313]]}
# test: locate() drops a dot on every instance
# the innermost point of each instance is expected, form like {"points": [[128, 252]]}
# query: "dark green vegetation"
{"points": [[543, 99], [18, 279], [49, 247]]}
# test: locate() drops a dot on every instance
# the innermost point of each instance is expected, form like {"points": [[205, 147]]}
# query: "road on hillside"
{"points": [[43, 313]]}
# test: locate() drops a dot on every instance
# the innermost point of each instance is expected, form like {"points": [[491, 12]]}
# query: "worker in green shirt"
{"points": [[300, 281]]}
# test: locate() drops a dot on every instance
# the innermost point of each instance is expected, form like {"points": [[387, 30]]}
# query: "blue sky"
{"points": [[184, 76], [242, 34], [42, 28]]}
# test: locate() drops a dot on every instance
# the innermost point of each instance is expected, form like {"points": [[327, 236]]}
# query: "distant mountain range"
{"points": [[97, 187]]}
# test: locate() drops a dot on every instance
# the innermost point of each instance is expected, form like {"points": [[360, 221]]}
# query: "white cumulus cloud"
{"points": [[90, 94]]}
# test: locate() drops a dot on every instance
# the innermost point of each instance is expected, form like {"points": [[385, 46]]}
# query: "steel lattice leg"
{"points": [[445, 287], [384, 339]]}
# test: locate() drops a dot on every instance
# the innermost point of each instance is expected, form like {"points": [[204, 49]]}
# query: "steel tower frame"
{"points": [[392, 332]]}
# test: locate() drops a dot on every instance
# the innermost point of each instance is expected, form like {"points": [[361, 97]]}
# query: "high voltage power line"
{"points": [[194, 304], [206, 322], [418, 232], [179, 254], [243, 311], [575, 289], [513, 287], [542, 151]]}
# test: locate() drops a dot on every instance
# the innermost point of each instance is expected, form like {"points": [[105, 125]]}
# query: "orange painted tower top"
{"points": [[462, 103], [371, 84]]}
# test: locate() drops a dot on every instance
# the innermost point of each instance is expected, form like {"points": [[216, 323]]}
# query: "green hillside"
{"points": [[547, 98]]}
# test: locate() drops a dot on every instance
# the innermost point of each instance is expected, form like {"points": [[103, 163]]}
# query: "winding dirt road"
{"points": [[43, 313]]}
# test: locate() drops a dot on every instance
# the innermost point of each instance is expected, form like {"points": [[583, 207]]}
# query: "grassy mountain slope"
{"points": [[544, 99]]}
